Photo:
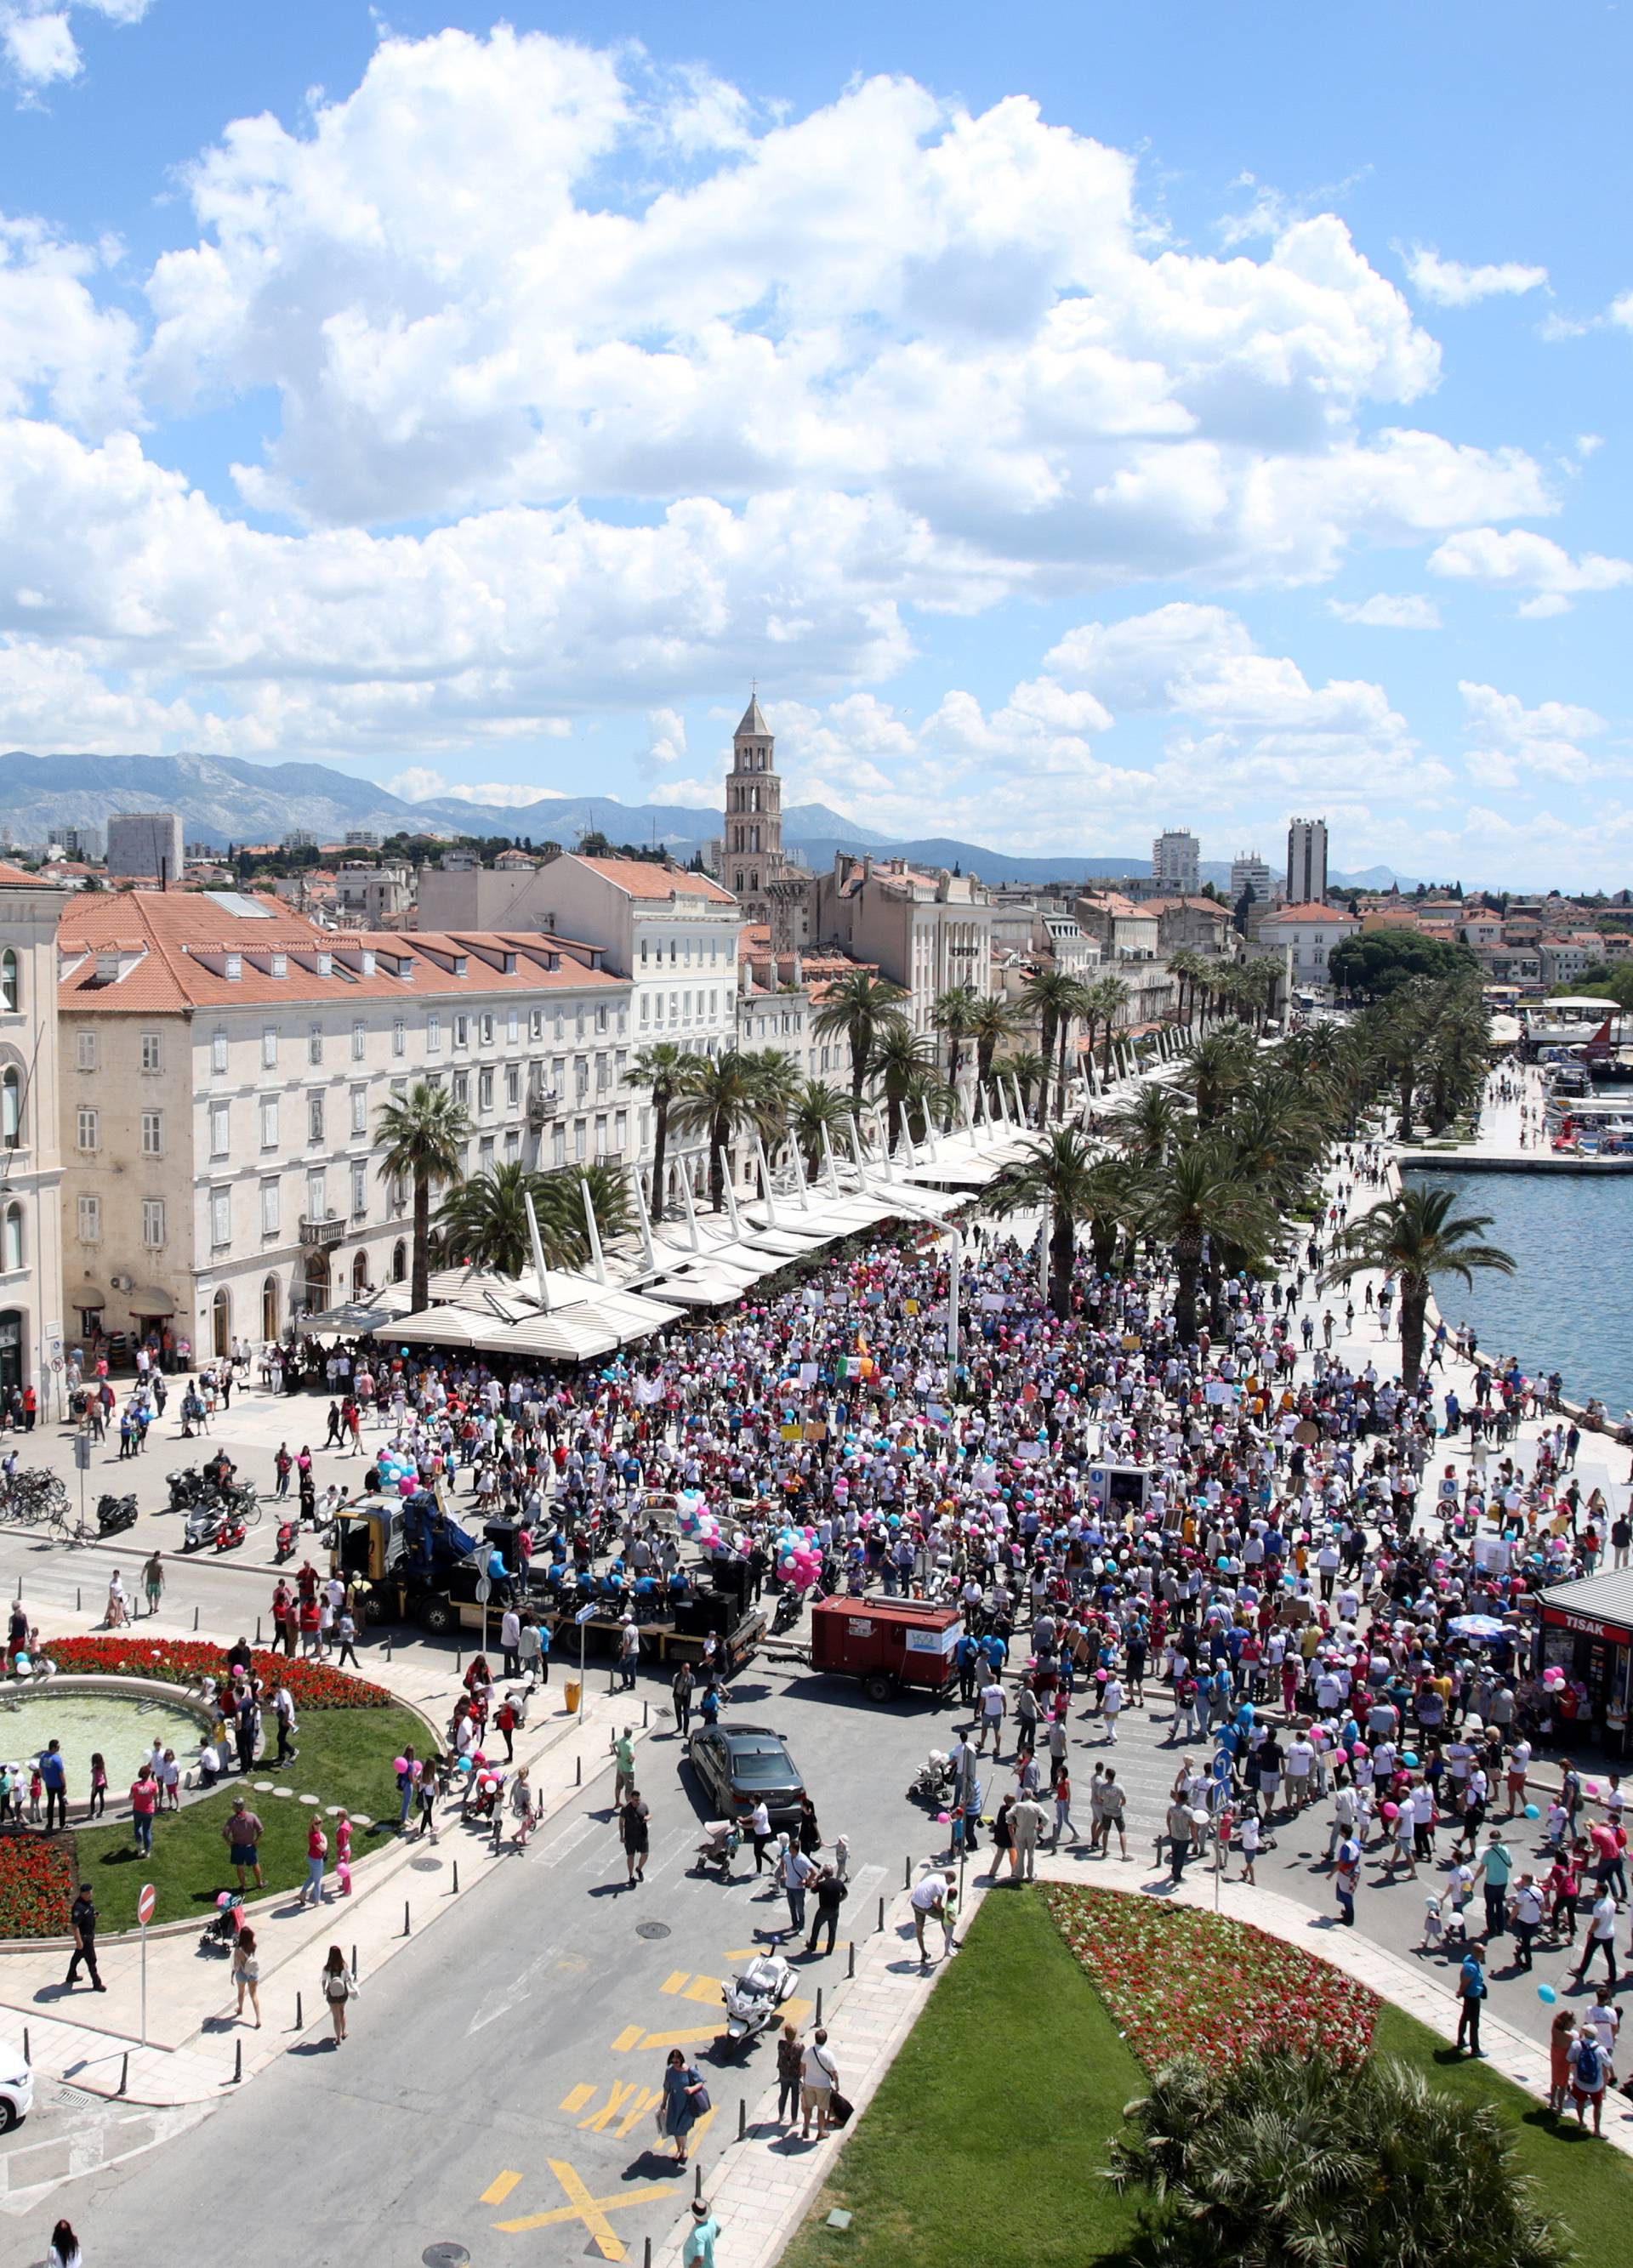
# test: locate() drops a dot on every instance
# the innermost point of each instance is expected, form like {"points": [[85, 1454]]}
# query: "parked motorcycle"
{"points": [[205, 1523], [789, 1607], [114, 1514], [185, 1488], [753, 1999], [287, 1537]]}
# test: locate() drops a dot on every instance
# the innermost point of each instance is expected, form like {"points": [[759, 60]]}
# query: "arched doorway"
{"points": [[315, 1290], [399, 1262], [221, 1322], [270, 1309], [11, 1349], [360, 1275]]}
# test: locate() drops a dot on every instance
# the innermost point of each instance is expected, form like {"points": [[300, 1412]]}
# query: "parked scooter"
{"points": [[287, 1537], [232, 1531], [752, 2000], [205, 1523], [790, 1605], [114, 1514], [185, 1488]]}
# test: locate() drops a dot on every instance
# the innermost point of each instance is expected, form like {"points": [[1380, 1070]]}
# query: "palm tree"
{"points": [[953, 1015], [662, 1070], [1185, 967], [1414, 1236], [993, 1024], [901, 1061], [484, 1221], [1110, 995], [1054, 998], [1149, 1124], [421, 1137], [559, 1203], [1027, 1069], [1285, 2158], [860, 1006], [818, 1105], [1202, 1197], [1059, 1172], [722, 1096], [1216, 1068]]}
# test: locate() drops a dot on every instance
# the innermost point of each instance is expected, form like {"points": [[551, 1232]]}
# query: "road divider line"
{"points": [[499, 2189]]}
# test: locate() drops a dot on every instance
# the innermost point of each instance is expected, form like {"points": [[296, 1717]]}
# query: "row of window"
{"points": [[680, 952], [462, 1029], [680, 1005]]}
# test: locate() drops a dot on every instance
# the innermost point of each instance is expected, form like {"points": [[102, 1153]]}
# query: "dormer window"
{"points": [[232, 968]]}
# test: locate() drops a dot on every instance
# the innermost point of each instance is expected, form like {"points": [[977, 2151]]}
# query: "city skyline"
{"points": [[1078, 434]]}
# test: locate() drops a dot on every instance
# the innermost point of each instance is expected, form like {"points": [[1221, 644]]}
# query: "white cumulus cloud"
{"points": [[1519, 559], [1511, 740], [1388, 610], [1450, 284], [37, 38]]}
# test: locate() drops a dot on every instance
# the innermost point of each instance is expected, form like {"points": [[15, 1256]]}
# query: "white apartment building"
{"points": [[925, 933], [674, 935], [1175, 857], [224, 1065], [1306, 861], [1304, 937], [30, 1165], [1250, 871]]}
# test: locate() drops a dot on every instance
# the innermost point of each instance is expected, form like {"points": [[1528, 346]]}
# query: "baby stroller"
{"points": [[725, 1841], [220, 1932]]}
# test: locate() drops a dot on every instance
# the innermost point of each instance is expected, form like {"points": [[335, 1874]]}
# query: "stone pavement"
{"points": [[194, 2040]]}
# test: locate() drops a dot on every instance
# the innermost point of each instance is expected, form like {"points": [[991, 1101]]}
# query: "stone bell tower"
{"points": [[754, 858]]}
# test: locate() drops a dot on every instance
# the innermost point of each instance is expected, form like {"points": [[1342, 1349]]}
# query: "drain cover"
{"points": [[444, 2256], [426, 1866], [64, 2097], [651, 1929]]}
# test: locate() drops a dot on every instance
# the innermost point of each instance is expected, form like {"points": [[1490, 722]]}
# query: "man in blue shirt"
{"points": [[54, 1774]]}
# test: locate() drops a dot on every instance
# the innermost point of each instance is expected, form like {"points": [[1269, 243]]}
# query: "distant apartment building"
{"points": [[1250, 871], [1176, 858], [31, 1205], [928, 933], [1305, 938], [1306, 862], [147, 845]]}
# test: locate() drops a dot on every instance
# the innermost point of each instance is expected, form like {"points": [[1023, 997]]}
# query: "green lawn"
{"points": [[981, 2147], [1588, 2184], [346, 1757]]}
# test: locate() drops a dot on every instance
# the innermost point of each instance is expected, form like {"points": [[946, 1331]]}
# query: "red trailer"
{"points": [[888, 1643]]}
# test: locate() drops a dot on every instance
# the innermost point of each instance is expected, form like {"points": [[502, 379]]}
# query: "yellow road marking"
{"points": [[617, 2095], [676, 1981], [689, 2039], [497, 2192], [627, 2038], [792, 2011], [582, 2206], [709, 1990], [579, 2096]]}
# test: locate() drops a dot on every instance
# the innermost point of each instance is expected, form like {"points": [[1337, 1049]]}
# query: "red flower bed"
{"points": [[185, 1661], [1180, 1981], [37, 1887]]}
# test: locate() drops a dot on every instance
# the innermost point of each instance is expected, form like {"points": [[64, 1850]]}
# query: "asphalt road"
{"points": [[499, 2087]]}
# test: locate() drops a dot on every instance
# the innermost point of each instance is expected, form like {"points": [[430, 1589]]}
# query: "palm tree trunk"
{"points": [[1047, 1052], [954, 1059], [1188, 1268], [984, 1060], [420, 1275], [859, 1066], [718, 1133], [1407, 1084], [1102, 1243], [893, 1121], [1062, 1257], [1066, 1034], [660, 1153], [1414, 1304]]}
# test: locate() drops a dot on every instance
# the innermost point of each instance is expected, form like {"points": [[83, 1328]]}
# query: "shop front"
{"points": [[1586, 1634]]}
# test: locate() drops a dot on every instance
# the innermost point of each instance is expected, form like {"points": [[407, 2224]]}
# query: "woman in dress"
{"points": [[685, 2098]]}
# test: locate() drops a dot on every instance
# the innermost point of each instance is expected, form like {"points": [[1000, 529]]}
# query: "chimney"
{"points": [[798, 969]]}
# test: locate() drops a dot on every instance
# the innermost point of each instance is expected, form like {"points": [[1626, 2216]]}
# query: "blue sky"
{"points": [[1080, 420]]}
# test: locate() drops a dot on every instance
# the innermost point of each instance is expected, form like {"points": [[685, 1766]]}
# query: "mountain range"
{"points": [[225, 800]]}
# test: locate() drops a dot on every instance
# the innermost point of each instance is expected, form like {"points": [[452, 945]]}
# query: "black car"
{"points": [[746, 1764]]}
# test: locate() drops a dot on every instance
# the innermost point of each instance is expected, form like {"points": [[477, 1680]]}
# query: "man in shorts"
{"points": [[1109, 1807], [242, 1837]]}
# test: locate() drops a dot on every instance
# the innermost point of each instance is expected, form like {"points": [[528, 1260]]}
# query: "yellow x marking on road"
{"points": [[582, 2206]]}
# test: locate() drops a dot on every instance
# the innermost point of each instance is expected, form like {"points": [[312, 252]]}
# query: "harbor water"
{"points": [[1568, 1307]]}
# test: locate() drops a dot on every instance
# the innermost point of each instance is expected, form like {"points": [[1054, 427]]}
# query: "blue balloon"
{"points": [[1410, 1762], [1547, 1993], [1531, 1812]]}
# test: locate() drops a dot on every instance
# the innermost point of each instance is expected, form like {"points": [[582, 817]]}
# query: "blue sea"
{"points": [[1569, 1309]]}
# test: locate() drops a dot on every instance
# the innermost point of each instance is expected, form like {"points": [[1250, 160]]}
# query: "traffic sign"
{"points": [[586, 1615], [147, 1898], [484, 1589]]}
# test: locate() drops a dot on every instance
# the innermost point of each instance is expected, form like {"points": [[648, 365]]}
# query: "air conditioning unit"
{"points": [[121, 1283]]}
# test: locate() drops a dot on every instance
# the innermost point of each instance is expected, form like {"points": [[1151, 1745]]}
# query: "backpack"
{"points": [[1590, 2067]]}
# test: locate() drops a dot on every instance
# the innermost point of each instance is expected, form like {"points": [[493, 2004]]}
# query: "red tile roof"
{"points": [[13, 878], [176, 939], [1311, 912], [643, 878]]}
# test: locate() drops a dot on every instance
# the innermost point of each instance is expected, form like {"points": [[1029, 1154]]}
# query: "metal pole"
{"points": [[850, 1966], [238, 2064], [819, 2006], [456, 1878], [881, 1913], [257, 1629], [696, 2187], [300, 2023], [354, 1961], [145, 1984], [578, 1778], [743, 2119], [78, 1601], [907, 1871], [498, 1822], [405, 1916], [194, 1612], [387, 1647]]}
